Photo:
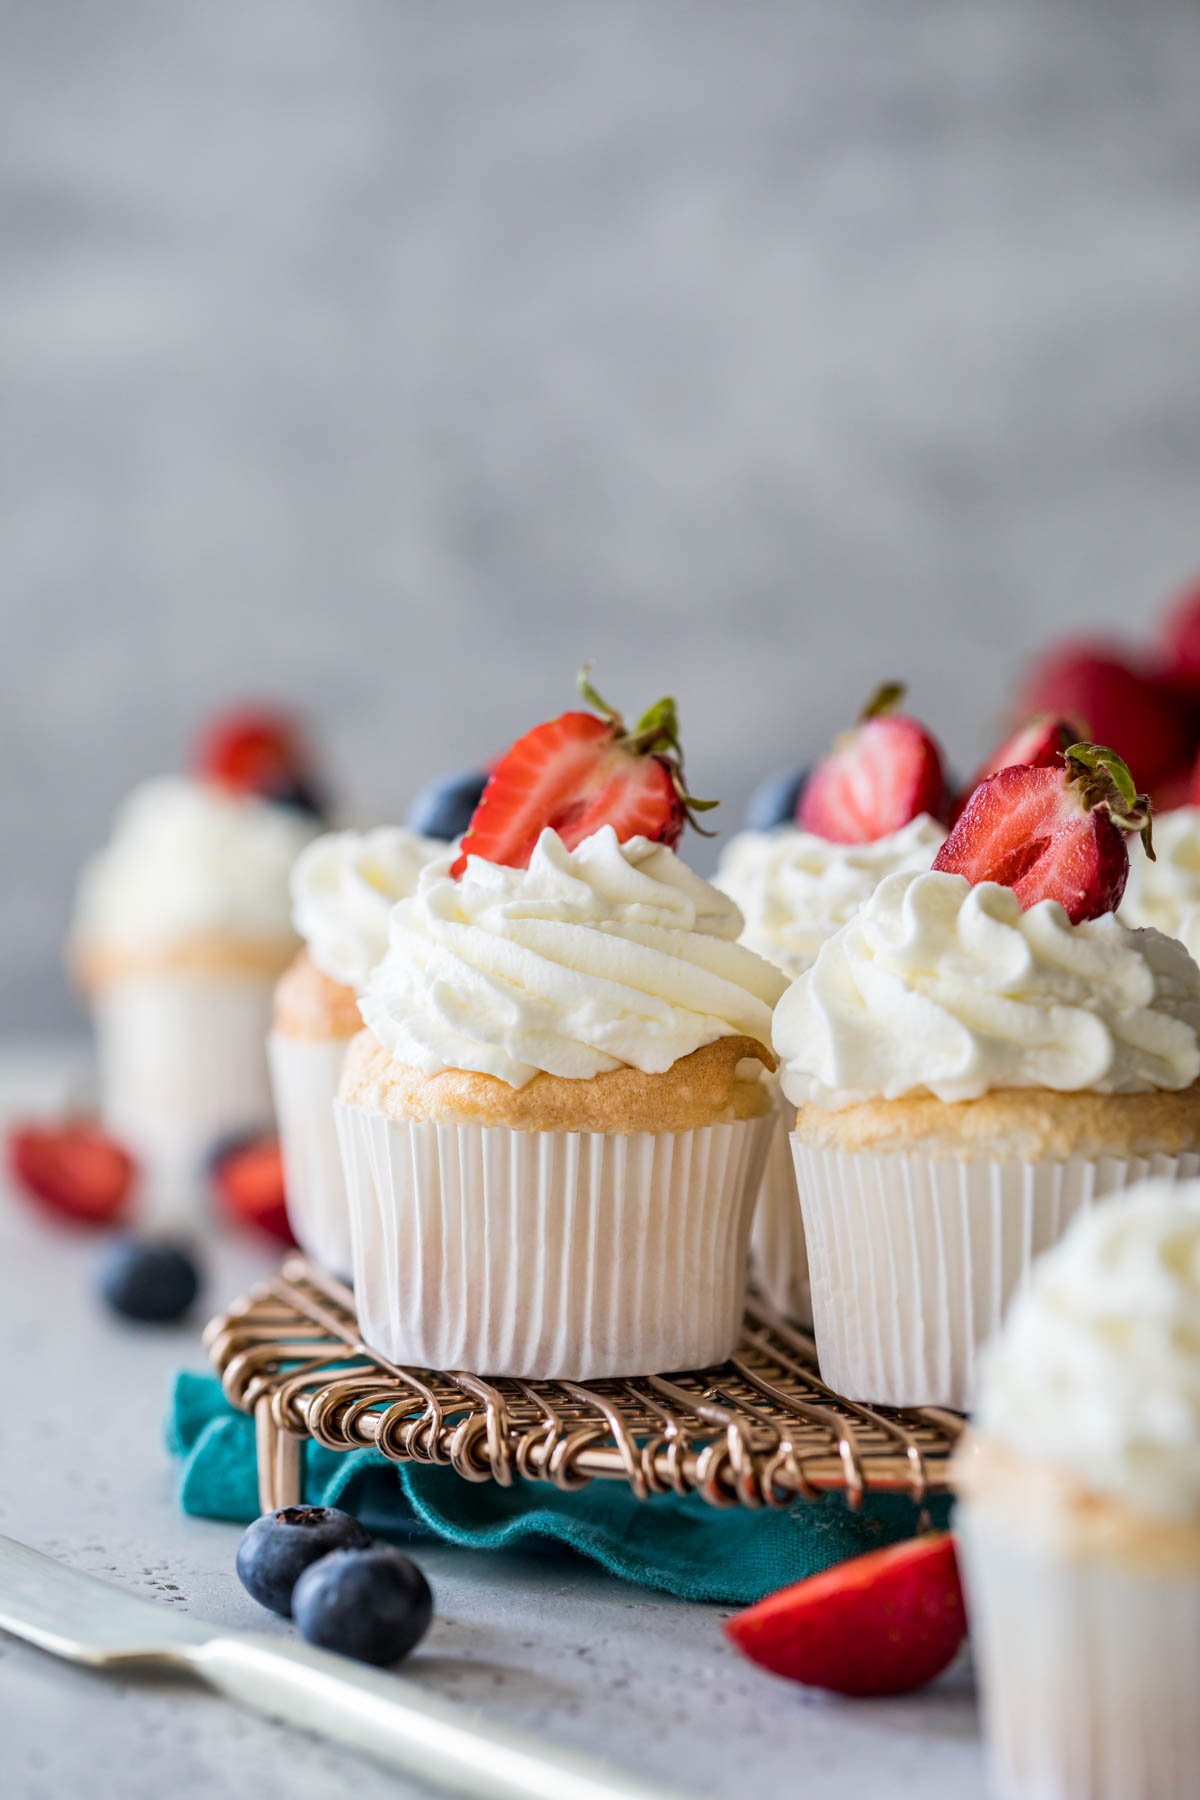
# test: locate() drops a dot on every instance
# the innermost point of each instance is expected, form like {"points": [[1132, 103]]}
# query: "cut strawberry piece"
{"points": [[1053, 834], [74, 1169], [577, 773], [884, 1623], [1038, 745], [249, 1181], [1180, 635], [877, 778], [258, 750], [1119, 701]]}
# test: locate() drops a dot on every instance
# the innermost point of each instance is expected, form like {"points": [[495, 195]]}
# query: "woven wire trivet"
{"points": [[759, 1430]]}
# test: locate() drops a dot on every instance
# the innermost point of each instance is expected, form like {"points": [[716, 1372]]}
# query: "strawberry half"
{"points": [[258, 750], [1119, 699], [579, 772], [877, 777], [249, 1182], [884, 1623], [1053, 834], [75, 1170], [1037, 745], [1180, 634]]}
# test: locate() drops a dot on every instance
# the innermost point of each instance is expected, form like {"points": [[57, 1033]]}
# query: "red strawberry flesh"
{"points": [[880, 776], [254, 751], [1181, 633], [1029, 830], [1119, 701], [250, 1183], [884, 1623], [74, 1170]]}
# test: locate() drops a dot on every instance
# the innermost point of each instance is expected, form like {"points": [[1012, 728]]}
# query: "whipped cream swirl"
{"points": [[943, 988], [1097, 1367], [590, 958], [188, 860], [795, 889], [345, 884], [1166, 893]]}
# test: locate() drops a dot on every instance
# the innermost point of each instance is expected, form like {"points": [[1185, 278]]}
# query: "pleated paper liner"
{"points": [[758, 1430], [304, 1078]]}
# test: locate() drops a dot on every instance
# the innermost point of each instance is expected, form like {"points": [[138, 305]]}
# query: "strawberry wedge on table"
{"points": [[883, 1623], [1057, 833], [579, 772], [74, 1169], [877, 778]]}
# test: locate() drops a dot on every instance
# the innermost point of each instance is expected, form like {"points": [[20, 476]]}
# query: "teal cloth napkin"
{"points": [[681, 1547]]}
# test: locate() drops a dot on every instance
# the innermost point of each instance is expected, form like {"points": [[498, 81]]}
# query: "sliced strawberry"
{"points": [[258, 750], [883, 1623], [1053, 834], [1037, 745], [1119, 700], [577, 773], [1180, 634], [249, 1182], [877, 777], [74, 1169]]}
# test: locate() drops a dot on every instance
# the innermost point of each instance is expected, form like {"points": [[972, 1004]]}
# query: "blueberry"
{"points": [[156, 1282], [301, 795], [277, 1549], [775, 799], [371, 1604], [444, 808]]}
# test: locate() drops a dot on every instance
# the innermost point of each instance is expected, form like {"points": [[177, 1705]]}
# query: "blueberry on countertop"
{"points": [[153, 1282], [444, 808], [775, 799], [374, 1605], [277, 1549]]}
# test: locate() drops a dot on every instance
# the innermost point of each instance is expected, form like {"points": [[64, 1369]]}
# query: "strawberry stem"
{"points": [[1102, 779], [655, 734], [884, 700]]}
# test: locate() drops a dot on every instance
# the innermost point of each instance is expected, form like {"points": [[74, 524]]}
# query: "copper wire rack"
{"points": [[760, 1430]]}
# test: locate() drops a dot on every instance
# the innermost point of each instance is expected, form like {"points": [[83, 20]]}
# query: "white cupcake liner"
{"points": [[182, 1063], [547, 1253], [1087, 1668], [914, 1259], [778, 1257], [304, 1076]]}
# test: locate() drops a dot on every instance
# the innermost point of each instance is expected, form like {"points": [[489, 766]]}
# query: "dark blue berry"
{"points": [[444, 808], [775, 799], [301, 795], [148, 1281], [276, 1550], [371, 1604]]}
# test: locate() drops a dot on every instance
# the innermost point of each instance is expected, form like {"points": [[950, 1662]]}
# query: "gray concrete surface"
{"points": [[399, 356], [552, 1645]]}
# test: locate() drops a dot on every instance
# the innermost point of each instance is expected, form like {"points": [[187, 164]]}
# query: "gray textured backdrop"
{"points": [[395, 356]]}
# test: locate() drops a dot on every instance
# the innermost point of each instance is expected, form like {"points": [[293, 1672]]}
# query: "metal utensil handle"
{"points": [[387, 1717]]}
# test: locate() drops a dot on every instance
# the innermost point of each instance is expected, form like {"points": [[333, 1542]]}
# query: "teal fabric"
{"points": [[681, 1547]]}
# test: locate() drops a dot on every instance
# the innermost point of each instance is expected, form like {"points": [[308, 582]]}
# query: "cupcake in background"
{"points": [[553, 1127], [873, 807], [1079, 1512], [1165, 893], [973, 1063], [343, 888]]}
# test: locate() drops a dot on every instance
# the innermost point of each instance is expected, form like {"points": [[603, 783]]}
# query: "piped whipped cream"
{"points": [[610, 954], [188, 860], [1166, 893], [795, 889], [344, 886], [1097, 1367], [939, 987]]}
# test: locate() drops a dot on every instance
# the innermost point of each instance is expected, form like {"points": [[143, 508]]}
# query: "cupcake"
{"points": [[795, 886], [554, 1125], [1079, 1512], [972, 1067], [343, 887], [1165, 892], [181, 929]]}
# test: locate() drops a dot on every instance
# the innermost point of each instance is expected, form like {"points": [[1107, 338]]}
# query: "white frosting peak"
{"points": [[187, 859], [940, 987], [795, 889], [1165, 893], [345, 884], [1097, 1367], [590, 958]]}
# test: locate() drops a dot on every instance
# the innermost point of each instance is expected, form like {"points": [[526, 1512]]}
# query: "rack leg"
{"points": [[279, 1454]]}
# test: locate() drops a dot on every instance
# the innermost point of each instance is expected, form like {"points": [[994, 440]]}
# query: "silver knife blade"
{"points": [[82, 1617]]}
